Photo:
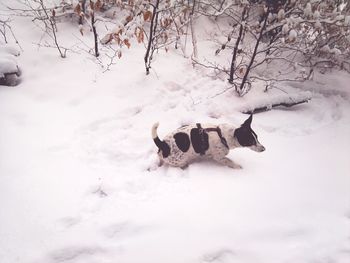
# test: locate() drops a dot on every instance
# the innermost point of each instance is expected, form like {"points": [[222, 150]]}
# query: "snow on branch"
{"points": [[267, 103]]}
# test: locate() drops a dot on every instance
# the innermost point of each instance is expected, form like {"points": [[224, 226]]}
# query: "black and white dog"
{"points": [[192, 142]]}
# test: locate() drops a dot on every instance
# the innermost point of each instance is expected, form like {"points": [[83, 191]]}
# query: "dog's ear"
{"points": [[248, 121]]}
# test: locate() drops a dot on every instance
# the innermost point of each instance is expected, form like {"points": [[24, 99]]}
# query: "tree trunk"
{"points": [[83, 9], [235, 49], [245, 77], [153, 27], [93, 21], [193, 33]]}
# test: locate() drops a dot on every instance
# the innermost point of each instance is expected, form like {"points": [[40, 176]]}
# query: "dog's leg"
{"points": [[155, 165], [228, 162]]}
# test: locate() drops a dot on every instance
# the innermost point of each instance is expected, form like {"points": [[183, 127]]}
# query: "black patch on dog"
{"points": [[245, 136], [182, 141], [200, 140], [163, 147]]}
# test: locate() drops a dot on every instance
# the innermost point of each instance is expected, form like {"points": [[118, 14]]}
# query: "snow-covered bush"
{"points": [[296, 36], [157, 23], [320, 34], [160, 23], [44, 16]]}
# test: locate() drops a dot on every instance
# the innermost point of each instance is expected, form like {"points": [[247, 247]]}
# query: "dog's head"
{"points": [[246, 137]]}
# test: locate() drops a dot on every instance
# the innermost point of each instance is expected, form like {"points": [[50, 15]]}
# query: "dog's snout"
{"points": [[257, 148]]}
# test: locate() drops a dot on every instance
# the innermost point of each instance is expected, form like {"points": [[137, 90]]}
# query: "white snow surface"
{"points": [[79, 181]]}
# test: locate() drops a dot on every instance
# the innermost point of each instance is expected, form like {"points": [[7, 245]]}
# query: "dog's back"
{"points": [[190, 142]]}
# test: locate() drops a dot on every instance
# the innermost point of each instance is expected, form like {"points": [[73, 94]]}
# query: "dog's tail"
{"points": [[154, 131], [162, 146]]}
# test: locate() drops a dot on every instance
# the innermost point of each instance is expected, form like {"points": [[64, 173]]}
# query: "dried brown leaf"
{"points": [[127, 43], [147, 15], [77, 9]]}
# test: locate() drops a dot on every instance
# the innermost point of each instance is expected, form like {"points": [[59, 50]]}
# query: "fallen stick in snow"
{"points": [[287, 100]]}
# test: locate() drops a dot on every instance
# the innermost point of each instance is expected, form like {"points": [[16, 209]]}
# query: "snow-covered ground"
{"points": [[78, 177]]}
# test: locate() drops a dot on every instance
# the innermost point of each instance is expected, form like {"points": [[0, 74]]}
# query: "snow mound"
{"points": [[9, 49], [9, 70], [7, 66]]}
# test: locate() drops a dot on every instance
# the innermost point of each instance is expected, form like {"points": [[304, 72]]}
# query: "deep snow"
{"points": [[78, 177]]}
